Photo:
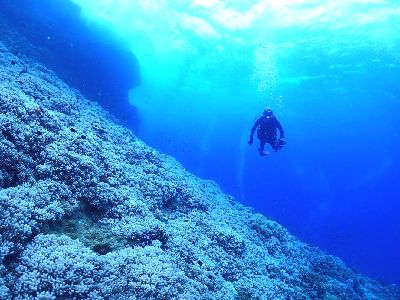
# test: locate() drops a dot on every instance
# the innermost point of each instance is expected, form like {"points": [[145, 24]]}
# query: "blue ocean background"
{"points": [[190, 77]]}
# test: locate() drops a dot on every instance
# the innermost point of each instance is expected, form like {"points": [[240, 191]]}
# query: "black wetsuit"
{"points": [[266, 131]]}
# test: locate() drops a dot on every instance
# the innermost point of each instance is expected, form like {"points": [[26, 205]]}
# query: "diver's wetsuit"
{"points": [[266, 132]]}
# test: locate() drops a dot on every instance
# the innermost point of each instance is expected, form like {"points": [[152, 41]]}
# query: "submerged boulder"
{"points": [[88, 211]]}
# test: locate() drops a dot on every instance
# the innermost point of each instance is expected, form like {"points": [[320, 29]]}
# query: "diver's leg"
{"points": [[273, 142], [261, 134], [261, 149], [274, 145]]}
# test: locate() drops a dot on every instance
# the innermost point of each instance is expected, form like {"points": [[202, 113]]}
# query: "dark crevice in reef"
{"points": [[149, 237], [89, 210], [7, 134], [11, 179], [102, 249], [11, 260], [172, 204]]}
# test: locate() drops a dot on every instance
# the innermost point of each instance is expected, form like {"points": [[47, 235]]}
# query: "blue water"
{"points": [[329, 70]]}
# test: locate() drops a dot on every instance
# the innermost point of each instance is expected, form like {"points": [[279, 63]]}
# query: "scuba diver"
{"points": [[266, 126]]}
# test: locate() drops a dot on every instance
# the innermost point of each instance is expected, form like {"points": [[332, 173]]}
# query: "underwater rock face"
{"points": [[82, 55], [88, 211]]}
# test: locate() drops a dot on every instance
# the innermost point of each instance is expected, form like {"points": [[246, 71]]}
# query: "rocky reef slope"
{"points": [[87, 211]]}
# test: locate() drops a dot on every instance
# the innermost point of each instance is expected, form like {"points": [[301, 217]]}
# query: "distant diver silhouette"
{"points": [[266, 126]]}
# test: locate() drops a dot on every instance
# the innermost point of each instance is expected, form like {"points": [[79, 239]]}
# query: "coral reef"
{"points": [[88, 211]]}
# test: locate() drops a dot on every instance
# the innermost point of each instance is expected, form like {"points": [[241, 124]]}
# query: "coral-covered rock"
{"points": [[61, 268], [88, 211]]}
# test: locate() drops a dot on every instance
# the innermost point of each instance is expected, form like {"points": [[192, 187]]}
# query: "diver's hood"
{"points": [[268, 113]]}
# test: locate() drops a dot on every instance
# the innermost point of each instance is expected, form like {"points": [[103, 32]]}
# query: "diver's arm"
{"points": [[280, 128], [253, 129]]}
